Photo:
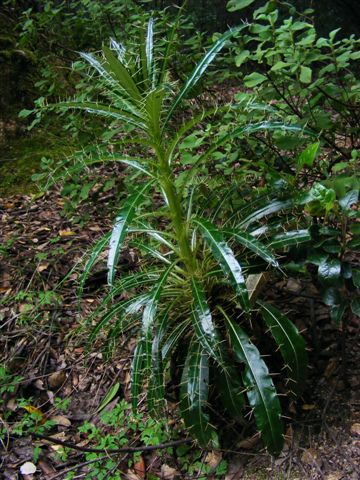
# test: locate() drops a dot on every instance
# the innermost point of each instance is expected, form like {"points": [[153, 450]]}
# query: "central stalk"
{"points": [[167, 182]]}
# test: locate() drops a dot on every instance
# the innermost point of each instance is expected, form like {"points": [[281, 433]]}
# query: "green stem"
{"points": [[167, 182]]}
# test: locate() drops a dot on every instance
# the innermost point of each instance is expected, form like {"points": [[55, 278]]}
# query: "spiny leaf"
{"points": [[194, 395], [203, 323], [149, 51], [291, 343], [178, 333], [261, 392], [230, 387], [149, 313], [226, 258], [106, 111], [119, 231], [156, 389], [254, 245], [287, 239], [137, 373], [264, 211], [200, 68], [94, 254], [121, 74]]}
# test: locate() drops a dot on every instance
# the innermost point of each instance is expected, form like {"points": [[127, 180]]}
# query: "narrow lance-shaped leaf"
{"points": [[264, 211], [137, 373], [120, 228], [149, 51], [254, 245], [194, 393], [123, 311], [148, 317], [261, 391], [203, 323], [121, 74], [226, 258], [287, 239], [106, 111], [230, 387], [291, 344], [94, 255], [156, 389], [172, 340], [200, 68]]}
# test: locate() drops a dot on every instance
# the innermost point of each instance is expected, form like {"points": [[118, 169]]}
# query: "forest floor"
{"points": [[41, 318]]}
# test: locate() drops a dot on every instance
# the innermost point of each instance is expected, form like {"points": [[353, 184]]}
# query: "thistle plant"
{"points": [[191, 305]]}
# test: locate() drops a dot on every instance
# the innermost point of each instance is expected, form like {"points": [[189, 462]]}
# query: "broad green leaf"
{"points": [[120, 228], [307, 157], [349, 199], [355, 306], [226, 258], [242, 57], [331, 296], [200, 68], [329, 271], [234, 5], [203, 323], [279, 66], [238, 132], [287, 239], [356, 277], [254, 79], [337, 312], [94, 255], [291, 344], [261, 391], [305, 74], [194, 393], [248, 241]]}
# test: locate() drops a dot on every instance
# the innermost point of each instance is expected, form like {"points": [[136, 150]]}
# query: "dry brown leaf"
{"points": [[309, 456], [213, 458], [131, 475], [168, 473], [139, 468], [56, 379], [61, 420], [42, 266]]}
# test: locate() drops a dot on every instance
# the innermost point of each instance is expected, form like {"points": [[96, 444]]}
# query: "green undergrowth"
{"points": [[20, 158]]}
